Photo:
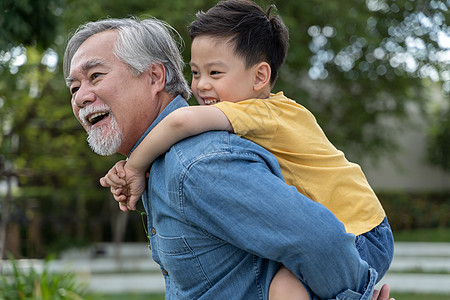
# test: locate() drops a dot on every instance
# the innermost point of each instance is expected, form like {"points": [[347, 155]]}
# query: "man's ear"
{"points": [[262, 76], [157, 74]]}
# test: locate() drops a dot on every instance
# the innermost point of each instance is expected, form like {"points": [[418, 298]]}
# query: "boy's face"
{"points": [[218, 74]]}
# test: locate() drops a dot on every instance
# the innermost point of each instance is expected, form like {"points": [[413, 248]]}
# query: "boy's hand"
{"points": [[126, 185], [114, 179], [135, 187]]}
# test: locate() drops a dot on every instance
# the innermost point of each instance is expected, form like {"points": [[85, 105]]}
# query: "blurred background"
{"points": [[375, 73]]}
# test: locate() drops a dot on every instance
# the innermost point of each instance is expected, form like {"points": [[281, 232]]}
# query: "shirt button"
{"points": [[153, 231], [165, 273]]}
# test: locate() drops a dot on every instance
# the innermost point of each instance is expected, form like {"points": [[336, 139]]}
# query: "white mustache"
{"points": [[90, 109]]}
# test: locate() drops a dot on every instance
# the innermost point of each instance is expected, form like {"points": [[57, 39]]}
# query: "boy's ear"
{"points": [[262, 76]]}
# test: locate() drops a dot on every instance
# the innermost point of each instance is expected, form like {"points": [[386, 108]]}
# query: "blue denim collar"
{"points": [[176, 103]]}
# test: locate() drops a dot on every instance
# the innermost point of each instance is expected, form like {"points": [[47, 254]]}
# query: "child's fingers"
{"points": [[120, 168], [106, 181], [103, 182], [114, 180]]}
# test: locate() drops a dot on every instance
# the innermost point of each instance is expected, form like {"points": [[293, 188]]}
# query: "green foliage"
{"points": [[412, 211], [438, 146], [43, 285], [348, 63], [28, 22]]}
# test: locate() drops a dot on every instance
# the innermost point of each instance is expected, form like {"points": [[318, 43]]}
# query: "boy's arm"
{"points": [[178, 125]]}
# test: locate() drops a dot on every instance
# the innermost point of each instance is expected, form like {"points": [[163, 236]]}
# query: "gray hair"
{"points": [[140, 43]]}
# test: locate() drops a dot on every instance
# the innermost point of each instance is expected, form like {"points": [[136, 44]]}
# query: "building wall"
{"points": [[408, 169]]}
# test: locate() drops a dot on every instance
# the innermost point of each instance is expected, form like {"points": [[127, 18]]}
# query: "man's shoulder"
{"points": [[215, 145]]}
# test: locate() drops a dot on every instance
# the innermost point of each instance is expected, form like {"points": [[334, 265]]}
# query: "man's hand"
{"points": [[382, 294]]}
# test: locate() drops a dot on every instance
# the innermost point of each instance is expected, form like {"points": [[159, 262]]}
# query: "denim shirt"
{"points": [[221, 218]]}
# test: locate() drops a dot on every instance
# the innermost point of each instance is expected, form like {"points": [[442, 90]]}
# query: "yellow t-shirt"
{"points": [[307, 158]]}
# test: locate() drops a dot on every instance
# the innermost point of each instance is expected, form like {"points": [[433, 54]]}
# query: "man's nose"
{"points": [[83, 97]]}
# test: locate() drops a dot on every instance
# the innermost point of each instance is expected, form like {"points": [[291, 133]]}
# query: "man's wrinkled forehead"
{"points": [[89, 54]]}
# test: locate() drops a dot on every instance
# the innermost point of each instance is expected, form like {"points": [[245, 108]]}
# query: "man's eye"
{"points": [[95, 75], [74, 90]]}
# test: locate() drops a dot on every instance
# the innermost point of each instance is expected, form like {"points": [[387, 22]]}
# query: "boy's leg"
{"points": [[376, 247], [329, 264], [286, 286]]}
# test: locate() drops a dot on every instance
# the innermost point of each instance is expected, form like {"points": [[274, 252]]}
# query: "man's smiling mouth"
{"points": [[97, 117]]}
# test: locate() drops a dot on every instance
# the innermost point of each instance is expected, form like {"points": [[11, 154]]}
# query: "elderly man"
{"points": [[220, 217]]}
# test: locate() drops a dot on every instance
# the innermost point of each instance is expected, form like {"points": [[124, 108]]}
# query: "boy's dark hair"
{"points": [[256, 35]]}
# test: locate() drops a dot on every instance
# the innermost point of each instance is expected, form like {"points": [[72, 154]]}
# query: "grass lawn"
{"points": [[126, 297], [423, 235], [397, 296]]}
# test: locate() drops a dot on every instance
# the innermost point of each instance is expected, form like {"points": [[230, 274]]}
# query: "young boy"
{"points": [[234, 65]]}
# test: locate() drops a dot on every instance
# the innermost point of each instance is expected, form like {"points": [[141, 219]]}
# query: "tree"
{"points": [[438, 147], [362, 62], [24, 23], [28, 22], [355, 64]]}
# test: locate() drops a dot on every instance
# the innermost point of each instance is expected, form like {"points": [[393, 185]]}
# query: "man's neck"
{"points": [[180, 101], [161, 100]]}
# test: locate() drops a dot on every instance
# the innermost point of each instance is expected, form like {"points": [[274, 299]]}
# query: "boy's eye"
{"points": [[214, 73], [195, 74]]}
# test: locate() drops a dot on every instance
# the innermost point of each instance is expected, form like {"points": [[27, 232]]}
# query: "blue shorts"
{"points": [[376, 247]]}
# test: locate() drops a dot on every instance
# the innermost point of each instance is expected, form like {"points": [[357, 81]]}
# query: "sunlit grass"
{"points": [[423, 235], [129, 296], [397, 296]]}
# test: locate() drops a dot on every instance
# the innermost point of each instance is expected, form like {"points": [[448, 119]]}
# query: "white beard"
{"points": [[106, 139]]}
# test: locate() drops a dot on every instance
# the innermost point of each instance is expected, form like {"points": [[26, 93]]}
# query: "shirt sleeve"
{"points": [[250, 117]]}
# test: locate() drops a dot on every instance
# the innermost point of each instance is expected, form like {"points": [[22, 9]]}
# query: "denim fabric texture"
{"points": [[376, 247], [221, 220]]}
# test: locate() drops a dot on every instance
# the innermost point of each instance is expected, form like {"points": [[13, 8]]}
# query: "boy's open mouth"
{"points": [[211, 101]]}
